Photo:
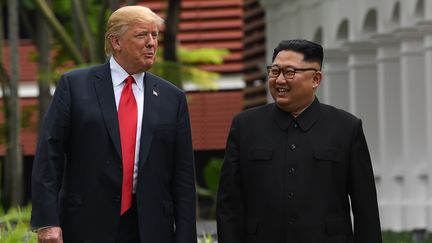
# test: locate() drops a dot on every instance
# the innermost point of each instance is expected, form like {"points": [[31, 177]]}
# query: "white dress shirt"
{"points": [[118, 75]]}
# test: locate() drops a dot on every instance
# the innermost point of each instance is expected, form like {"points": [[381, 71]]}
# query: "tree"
{"points": [[13, 193], [43, 43], [58, 28], [172, 73]]}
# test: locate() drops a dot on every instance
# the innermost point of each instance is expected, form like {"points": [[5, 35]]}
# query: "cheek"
{"points": [[271, 83]]}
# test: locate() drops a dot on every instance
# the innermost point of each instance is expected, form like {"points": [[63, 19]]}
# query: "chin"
{"points": [[147, 65], [283, 101]]}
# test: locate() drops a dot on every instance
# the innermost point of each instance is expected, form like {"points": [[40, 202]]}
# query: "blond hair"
{"points": [[120, 19]]}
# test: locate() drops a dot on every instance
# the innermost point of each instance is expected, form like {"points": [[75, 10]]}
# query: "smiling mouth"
{"points": [[281, 91]]}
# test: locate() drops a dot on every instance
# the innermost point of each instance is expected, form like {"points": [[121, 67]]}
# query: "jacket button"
{"points": [[292, 146], [290, 195], [295, 125], [291, 170]]}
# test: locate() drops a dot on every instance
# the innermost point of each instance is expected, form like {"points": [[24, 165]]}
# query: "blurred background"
{"points": [[378, 66]]}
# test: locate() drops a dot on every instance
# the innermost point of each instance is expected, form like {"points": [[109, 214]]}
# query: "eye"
{"points": [[289, 72], [141, 35], [274, 71]]}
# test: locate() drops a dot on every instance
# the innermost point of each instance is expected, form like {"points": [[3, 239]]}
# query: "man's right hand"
{"points": [[50, 235]]}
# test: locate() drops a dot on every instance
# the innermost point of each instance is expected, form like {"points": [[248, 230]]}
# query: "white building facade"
{"points": [[378, 66]]}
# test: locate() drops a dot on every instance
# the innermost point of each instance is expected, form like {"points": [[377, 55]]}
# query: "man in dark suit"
{"points": [[295, 169], [114, 162]]}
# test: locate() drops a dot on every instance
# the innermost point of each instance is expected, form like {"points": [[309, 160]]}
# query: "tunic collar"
{"points": [[304, 120]]}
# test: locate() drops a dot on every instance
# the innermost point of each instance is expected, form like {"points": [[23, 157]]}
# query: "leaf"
{"points": [[211, 175], [202, 55]]}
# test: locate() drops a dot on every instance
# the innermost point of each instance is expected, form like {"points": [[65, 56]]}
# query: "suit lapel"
{"points": [[105, 94], [152, 98]]}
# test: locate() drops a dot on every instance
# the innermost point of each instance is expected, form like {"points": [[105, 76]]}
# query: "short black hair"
{"points": [[313, 52]]}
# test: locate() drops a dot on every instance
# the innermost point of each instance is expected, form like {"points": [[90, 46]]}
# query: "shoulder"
{"points": [[87, 70], [80, 76], [256, 112]]}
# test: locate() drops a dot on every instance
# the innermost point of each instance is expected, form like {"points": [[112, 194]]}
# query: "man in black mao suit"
{"points": [[295, 169], [79, 181]]}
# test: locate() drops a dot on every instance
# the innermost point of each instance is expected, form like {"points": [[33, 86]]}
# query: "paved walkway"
{"points": [[207, 227]]}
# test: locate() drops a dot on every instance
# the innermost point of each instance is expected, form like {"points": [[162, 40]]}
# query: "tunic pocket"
{"points": [[260, 154], [328, 154]]}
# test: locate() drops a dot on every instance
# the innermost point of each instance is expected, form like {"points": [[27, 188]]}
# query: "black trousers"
{"points": [[128, 227]]}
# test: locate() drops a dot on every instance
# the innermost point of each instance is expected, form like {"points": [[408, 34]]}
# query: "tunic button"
{"points": [[290, 195], [293, 146], [295, 125], [291, 170]]}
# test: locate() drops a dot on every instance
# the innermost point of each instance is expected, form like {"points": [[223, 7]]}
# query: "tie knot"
{"points": [[129, 80]]}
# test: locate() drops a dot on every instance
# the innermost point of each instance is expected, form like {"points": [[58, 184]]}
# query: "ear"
{"points": [[316, 79], [115, 43]]}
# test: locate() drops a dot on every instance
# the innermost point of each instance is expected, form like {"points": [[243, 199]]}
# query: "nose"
{"points": [[151, 41], [280, 79]]}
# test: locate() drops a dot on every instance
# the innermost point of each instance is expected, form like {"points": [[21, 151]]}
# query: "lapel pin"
{"points": [[155, 93]]}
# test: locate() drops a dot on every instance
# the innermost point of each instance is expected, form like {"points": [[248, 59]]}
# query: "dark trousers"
{"points": [[128, 227]]}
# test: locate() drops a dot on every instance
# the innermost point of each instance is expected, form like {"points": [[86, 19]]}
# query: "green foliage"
{"points": [[62, 7], [202, 78], [15, 225], [202, 55], [206, 238], [26, 114], [187, 68], [403, 237], [211, 177], [28, 4]]}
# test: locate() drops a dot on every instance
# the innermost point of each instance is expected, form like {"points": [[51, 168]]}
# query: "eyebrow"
{"points": [[288, 66]]}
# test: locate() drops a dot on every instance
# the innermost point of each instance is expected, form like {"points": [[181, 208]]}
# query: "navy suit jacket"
{"points": [[77, 171], [296, 180]]}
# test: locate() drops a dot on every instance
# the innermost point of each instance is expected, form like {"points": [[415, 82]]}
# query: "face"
{"points": [[135, 50], [295, 94]]}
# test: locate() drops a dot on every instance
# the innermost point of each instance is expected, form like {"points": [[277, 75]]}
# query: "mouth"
{"points": [[281, 91], [149, 54]]}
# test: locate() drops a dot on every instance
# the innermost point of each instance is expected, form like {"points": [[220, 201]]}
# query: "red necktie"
{"points": [[127, 115]]}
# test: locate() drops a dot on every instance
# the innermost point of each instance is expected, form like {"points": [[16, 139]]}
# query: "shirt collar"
{"points": [[118, 75]]}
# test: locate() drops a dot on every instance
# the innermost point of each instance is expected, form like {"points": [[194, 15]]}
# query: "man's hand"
{"points": [[50, 235]]}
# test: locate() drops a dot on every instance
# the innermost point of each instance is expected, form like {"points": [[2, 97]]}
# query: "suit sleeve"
{"points": [[49, 160], [230, 211], [362, 191], [184, 179]]}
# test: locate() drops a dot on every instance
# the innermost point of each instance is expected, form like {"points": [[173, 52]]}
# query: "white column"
{"points": [[426, 28], [363, 90], [414, 138], [334, 88], [390, 135]]}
